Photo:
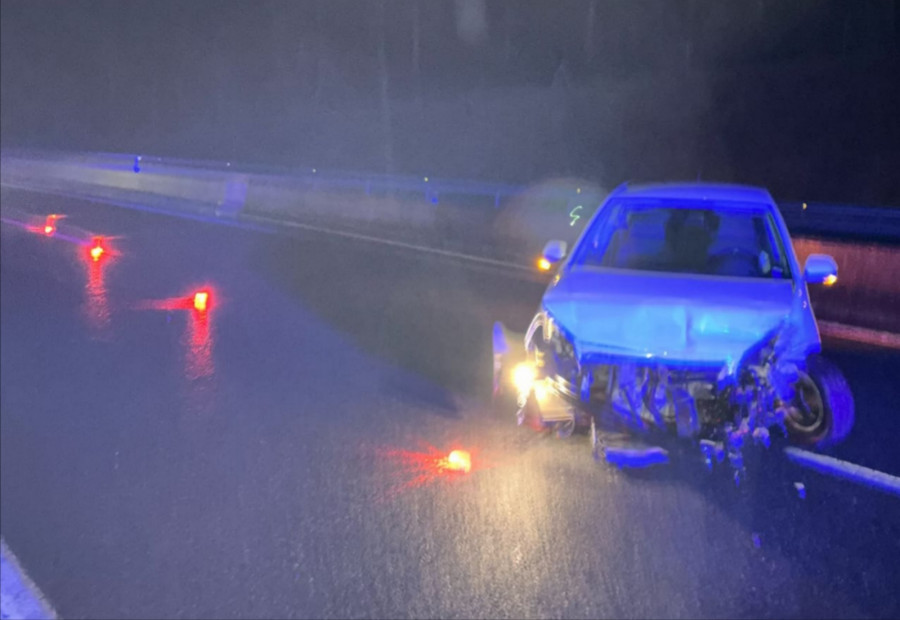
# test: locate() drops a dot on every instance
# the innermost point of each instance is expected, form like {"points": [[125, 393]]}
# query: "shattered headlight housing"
{"points": [[761, 383]]}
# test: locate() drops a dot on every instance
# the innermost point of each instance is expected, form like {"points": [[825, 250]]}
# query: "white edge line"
{"points": [[246, 218], [20, 597], [126, 204], [822, 463], [837, 330], [389, 242], [843, 469], [55, 235]]}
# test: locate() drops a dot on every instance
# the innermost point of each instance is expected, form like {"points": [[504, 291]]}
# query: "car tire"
{"points": [[823, 381]]}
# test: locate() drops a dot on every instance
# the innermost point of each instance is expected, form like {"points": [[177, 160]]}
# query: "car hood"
{"points": [[679, 318]]}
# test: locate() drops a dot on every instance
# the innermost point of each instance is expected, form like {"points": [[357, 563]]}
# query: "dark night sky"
{"points": [[176, 77]]}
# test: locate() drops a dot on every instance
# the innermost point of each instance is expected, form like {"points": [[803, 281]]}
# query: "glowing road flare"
{"points": [[50, 223], [201, 300], [523, 377], [459, 460], [544, 264], [831, 279]]}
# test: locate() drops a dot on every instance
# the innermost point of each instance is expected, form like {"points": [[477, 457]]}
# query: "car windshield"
{"points": [[702, 239]]}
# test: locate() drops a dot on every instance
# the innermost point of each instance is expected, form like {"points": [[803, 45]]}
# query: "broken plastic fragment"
{"points": [[636, 457], [761, 435], [712, 450], [801, 490]]}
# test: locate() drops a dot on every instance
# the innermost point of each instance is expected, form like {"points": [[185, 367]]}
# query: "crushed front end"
{"points": [[721, 405]]}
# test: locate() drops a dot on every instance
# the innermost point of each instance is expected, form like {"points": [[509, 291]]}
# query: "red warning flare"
{"points": [[459, 460], [201, 300], [97, 250], [50, 223]]}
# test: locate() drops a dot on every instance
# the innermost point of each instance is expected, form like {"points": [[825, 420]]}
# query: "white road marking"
{"points": [[390, 242], [845, 470], [280, 222], [55, 235], [838, 330], [20, 599]]}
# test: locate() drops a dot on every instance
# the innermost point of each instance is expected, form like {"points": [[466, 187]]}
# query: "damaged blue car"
{"points": [[681, 311]]}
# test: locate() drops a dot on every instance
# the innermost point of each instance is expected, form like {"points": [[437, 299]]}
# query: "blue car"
{"points": [[680, 311]]}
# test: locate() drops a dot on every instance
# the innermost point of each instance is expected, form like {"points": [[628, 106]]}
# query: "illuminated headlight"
{"points": [[523, 377], [540, 391]]}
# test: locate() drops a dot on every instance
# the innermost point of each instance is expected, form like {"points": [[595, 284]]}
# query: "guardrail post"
{"points": [[234, 199]]}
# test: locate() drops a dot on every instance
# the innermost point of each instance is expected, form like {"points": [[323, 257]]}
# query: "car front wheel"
{"points": [[822, 412]]}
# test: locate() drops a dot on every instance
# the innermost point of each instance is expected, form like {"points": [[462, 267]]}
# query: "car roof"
{"points": [[716, 192]]}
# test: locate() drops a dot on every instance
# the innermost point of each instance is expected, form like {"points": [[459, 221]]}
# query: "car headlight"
{"points": [[523, 377]]}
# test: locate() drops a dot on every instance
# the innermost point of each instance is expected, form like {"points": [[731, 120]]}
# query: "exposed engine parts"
{"points": [[722, 408]]}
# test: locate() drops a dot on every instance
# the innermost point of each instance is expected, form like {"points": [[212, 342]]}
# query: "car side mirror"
{"points": [[553, 252], [820, 269]]}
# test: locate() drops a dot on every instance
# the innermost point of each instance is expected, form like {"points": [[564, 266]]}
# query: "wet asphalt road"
{"points": [[274, 459]]}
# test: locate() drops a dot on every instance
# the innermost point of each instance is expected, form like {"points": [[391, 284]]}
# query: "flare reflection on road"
{"points": [[429, 465], [198, 337], [199, 359], [96, 301]]}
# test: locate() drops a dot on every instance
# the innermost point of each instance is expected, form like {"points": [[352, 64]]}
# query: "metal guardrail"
{"points": [[810, 218], [321, 178]]}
